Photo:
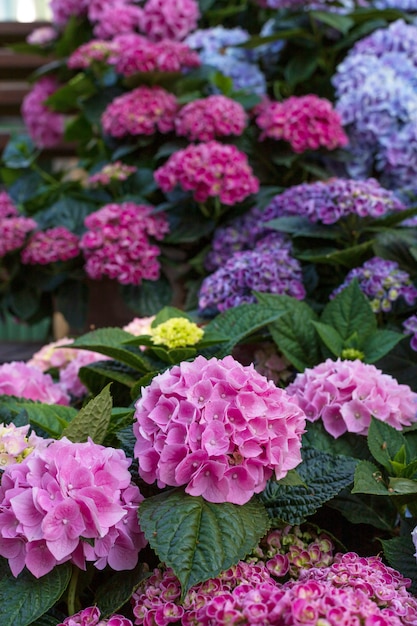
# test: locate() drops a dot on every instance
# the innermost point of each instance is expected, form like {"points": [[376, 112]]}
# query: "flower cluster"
{"points": [[338, 6], [268, 268], [91, 617], [42, 36], [383, 282], [62, 10], [410, 328], [45, 127], [217, 427], [169, 19], [116, 19], [50, 246], [91, 53], [305, 122], [209, 170], [142, 111], [135, 53], [16, 444], [68, 375], [139, 325], [70, 502], [111, 172], [117, 244], [332, 200], [7, 206], [207, 118], [24, 381], [177, 332], [14, 229], [346, 394]]}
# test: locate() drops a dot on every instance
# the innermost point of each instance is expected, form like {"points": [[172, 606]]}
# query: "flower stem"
{"points": [[72, 598]]}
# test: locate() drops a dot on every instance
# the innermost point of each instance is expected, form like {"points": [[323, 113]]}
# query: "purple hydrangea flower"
{"points": [[410, 328]]}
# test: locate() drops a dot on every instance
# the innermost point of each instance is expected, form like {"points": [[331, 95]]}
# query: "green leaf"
{"points": [[52, 418], [324, 475], [301, 67], [366, 509], [292, 479], [378, 344], [402, 486], [118, 589], [20, 152], [93, 420], [25, 598], [330, 337], [167, 313], [349, 257], [199, 539], [368, 479], [240, 322], [401, 363], [399, 553], [350, 312], [149, 298], [302, 227], [384, 442], [66, 98], [342, 23], [349, 444]]}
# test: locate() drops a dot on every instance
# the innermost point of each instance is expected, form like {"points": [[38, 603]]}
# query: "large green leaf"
{"points": [[378, 344], [25, 598], [302, 227], [117, 590], [330, 337], [20, 152], [350, 313], [51, 418], [149, 298], [93, 420], [369, 479], [366, 509], [401, 363], [199, 539], [324, 475], [400, 554], [384, 442]]}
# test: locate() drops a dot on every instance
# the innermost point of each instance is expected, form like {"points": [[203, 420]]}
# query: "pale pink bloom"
{"points": [[217, 427], [16, 443], [139, 325], [24, 381], [209, 170], [117, 18], [142, 111], [346, 394], [68, 375], [53, 355], [63, 495], [208, 118], [111, 172], [169, 19], [92, 52], [14, 232], [50, 246], [305, 122], [46, 127], [42, 36]]}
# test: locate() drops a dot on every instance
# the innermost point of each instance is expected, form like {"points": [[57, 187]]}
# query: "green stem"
{"points": [[47, 177], [72, 598]]}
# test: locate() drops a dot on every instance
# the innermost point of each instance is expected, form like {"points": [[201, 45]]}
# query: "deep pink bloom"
{"points": [[169, 19], [207, 118], [14, 231], [50, 246], [46, 127], [21, 380], [209, 170], [7, 206], [346, 394], [91, 53], [118, 18], [217, 427], [142, 111], [62, 10], [91, 617], [305, 122], [62, 495], [117, 243]]}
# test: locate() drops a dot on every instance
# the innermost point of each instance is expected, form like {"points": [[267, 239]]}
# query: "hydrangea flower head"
{"points": [[96, 51], [117, 18], [117, 243], [24, 381], [53, 355], [50, 246], [46, 127], [111, 172], [410, 328], [68, 375], [383, 282], [70, 502], [139, 325], [42, 36], [91, 617], [345, 395], [169, 19], [209, 118], [14, 232], [7, 206], [217, 427], [62, 10], [305, 122], [177, 332], [209, 170], [16, 443]]}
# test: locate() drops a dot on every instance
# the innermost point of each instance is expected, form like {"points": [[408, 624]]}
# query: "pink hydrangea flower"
{"points": [[24, 381], [16, 443], [7, 206], [93, 52], [305, 122], [91, 617], [117, 243], [68, 375], [137, 54], [116, 171], [62, 10], [346, 394], [139, 325], [45, 127], [117, 18], [209, 170], [217, 427], [142, 111], [207, 118], [14, 231], [50, 246], [53, 355], [70, 502], [42, 36], [169, 19]]}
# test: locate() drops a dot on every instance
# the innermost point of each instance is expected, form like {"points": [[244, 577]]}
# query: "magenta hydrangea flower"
{"points": [[62, 10], [217, 427], [70, 502], [169, 19], [93, 52], [117, 18], [383, 282], [24, 381], [46, 127], [305, 122], [209, 170], [142, 111], [117, 243], [111, 172], [346, 394], [207, 118], [7, 206], [50, 246], [91, 617], [137, 54], [16, 443], [14, 232], [42, 36]]}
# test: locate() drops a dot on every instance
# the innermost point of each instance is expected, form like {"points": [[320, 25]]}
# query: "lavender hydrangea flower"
{"points": [[410, 328], [383, 282], [342, 6], [401, 5]]}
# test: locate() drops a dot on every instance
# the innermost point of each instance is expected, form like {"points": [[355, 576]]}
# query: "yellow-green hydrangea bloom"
{"points": [[176, 332]]}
